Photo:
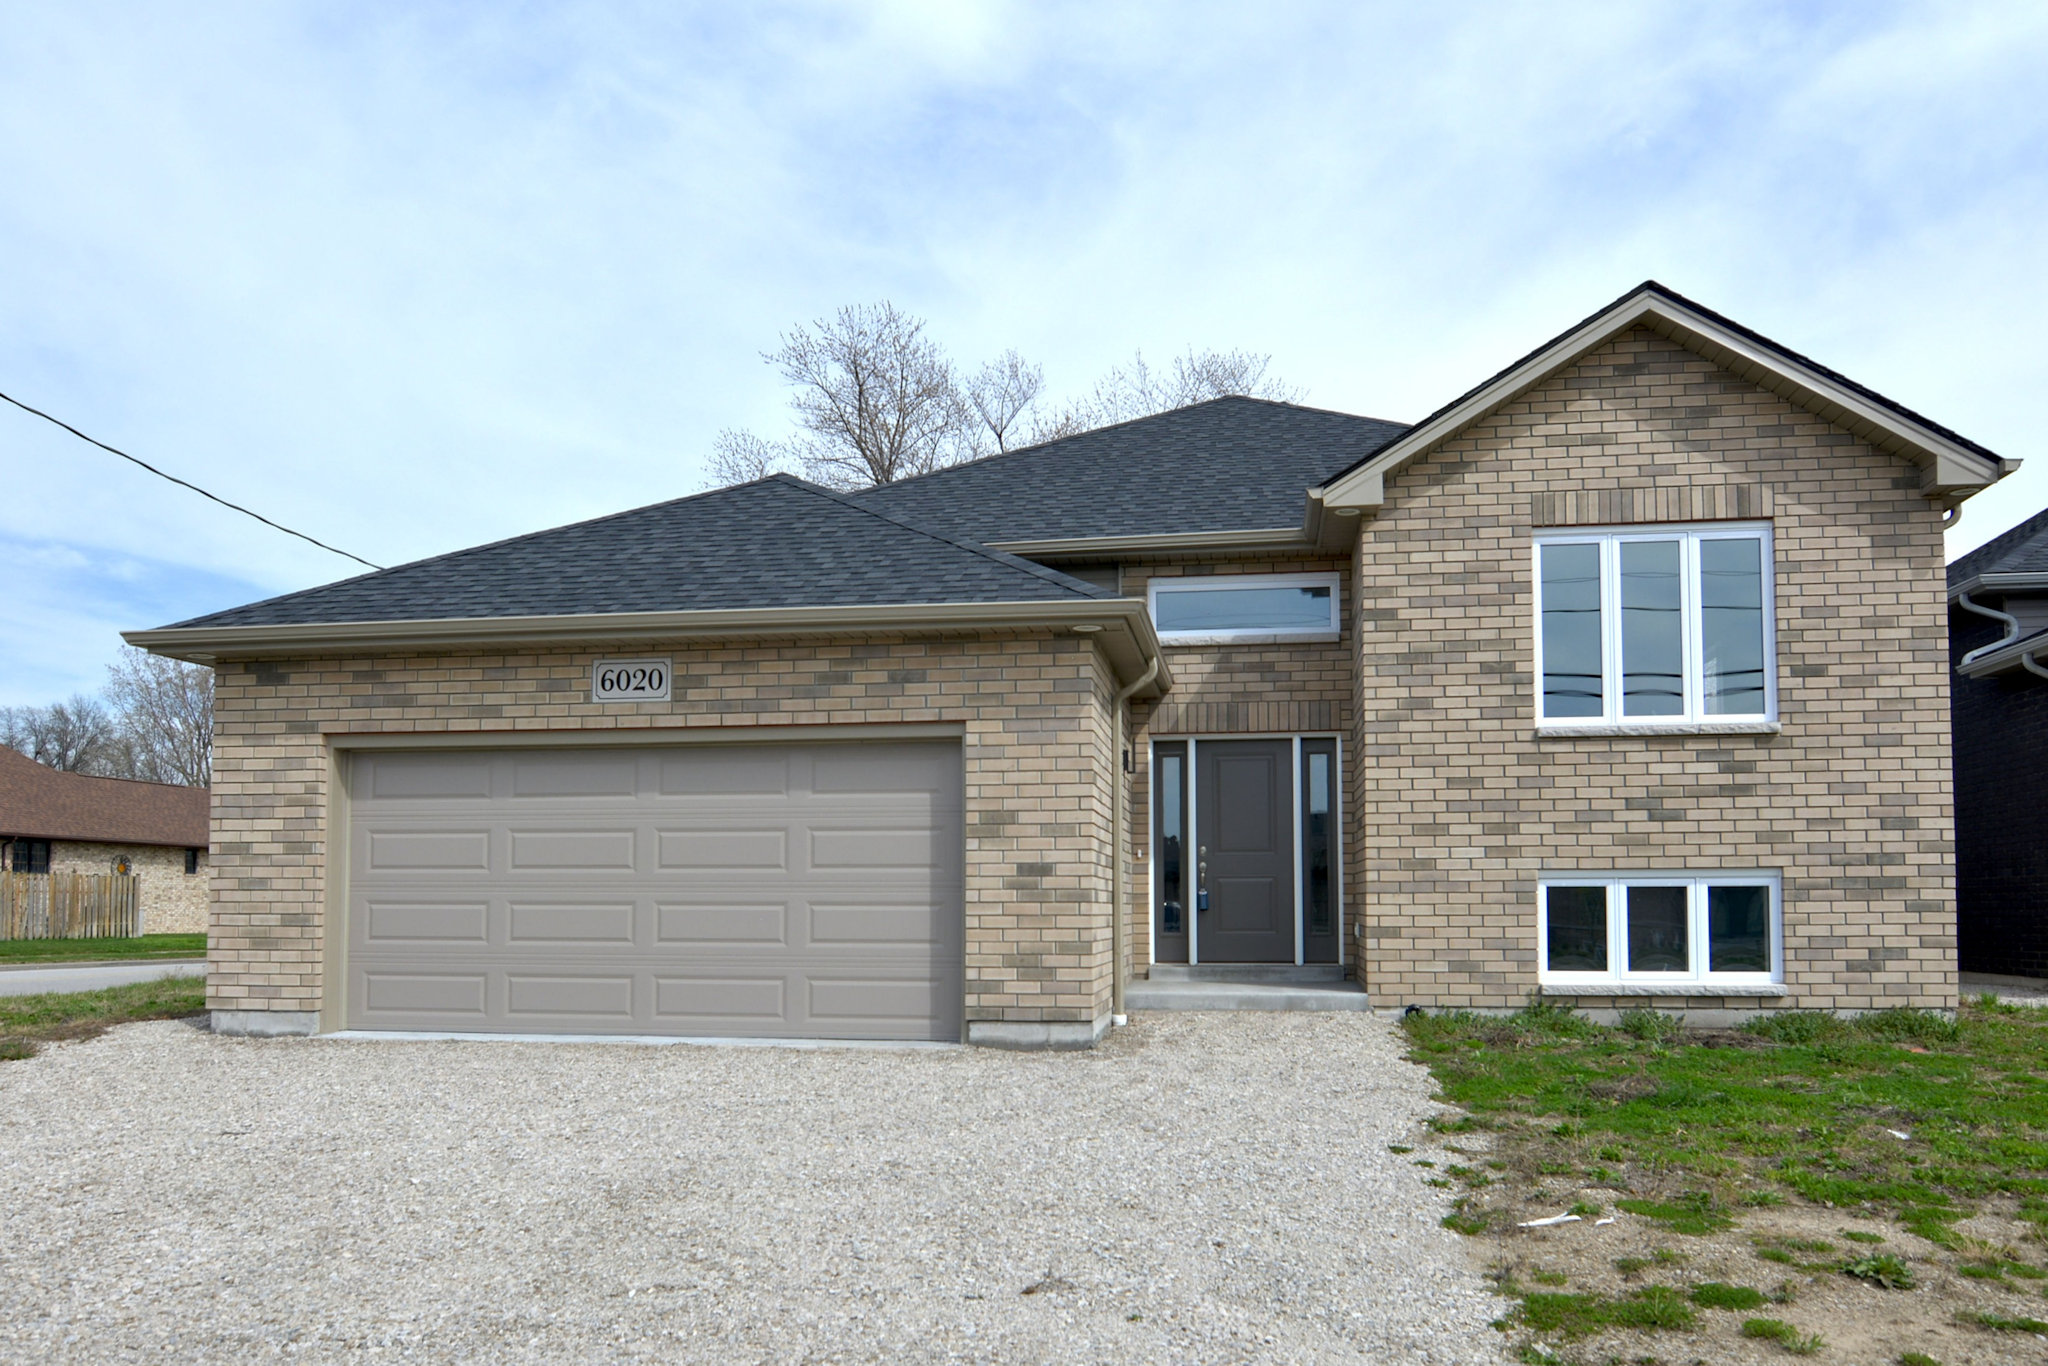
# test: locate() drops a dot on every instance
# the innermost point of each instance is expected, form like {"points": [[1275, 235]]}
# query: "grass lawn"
{"points": [[27, 1022], [97, 950], [1745, 1155]]}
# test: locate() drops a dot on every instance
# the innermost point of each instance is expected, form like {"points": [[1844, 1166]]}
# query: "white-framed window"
{"points": [[1655, 626], [1682, 930], [1244, 609]]}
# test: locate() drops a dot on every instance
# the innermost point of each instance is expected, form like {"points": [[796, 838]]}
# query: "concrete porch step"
{"points": [[1288, 974], [1213, 995]]}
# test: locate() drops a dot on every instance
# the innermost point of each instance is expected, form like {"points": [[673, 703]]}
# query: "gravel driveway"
{"points": [[1204, 1188]]}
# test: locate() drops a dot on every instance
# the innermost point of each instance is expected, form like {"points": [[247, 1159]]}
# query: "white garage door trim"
{"points": [[885, 961]]}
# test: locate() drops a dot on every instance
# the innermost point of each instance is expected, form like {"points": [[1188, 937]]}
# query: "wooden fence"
{"points": [[69, 906]]}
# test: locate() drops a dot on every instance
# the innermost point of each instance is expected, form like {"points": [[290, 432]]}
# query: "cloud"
{"points": [[414, 279]]}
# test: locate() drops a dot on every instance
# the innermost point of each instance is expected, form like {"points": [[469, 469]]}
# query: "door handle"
{"points": [[1202, 880]]}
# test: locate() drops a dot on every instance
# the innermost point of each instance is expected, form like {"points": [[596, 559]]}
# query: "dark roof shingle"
{"points": [[46, 804], [2022, 550], [1230, 464], [777, 542]]}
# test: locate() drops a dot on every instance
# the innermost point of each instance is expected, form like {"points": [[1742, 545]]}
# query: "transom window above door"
{"points": [[1656, 626], [1245, 609]]}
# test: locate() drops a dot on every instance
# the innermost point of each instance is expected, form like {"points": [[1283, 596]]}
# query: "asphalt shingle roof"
{"points": [[1230, 464], [777, 542], [45, 804], [2023, 550]]}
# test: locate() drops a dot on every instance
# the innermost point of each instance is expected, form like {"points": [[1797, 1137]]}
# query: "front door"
{"points": [[1244, 851]]}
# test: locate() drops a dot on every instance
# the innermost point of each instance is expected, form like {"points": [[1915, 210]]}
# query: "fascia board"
{"points": [[2000, 583], [1127, 632], [1952, 467]]}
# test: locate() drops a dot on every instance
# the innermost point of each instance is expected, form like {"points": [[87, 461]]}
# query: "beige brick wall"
{"points": [[1036, 747], [173, 901], [1464, 806], [1236, 689]]}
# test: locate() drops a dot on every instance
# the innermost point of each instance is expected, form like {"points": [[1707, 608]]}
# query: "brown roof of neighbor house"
{"points": [[43, 803]]}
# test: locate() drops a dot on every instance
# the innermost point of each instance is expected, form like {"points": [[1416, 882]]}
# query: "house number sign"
{"points": [[629, 680]]}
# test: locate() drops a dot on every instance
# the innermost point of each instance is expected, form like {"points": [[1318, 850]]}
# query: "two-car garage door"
{"points": [[794, 890]]}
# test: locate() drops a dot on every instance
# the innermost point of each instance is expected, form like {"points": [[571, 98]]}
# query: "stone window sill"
{"points": [[1674, 991], [1544, 732]]}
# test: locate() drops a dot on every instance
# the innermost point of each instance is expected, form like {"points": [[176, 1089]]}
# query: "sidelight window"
{"points": [[1685, 931], [1654, 626]]}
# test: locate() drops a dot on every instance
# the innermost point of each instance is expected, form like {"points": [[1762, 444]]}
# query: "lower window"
{"points": [[1660, 929]]}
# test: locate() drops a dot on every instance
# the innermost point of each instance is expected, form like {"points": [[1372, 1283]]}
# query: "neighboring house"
{"points": [[57, 822], [1620, 680], [1998, 637]]}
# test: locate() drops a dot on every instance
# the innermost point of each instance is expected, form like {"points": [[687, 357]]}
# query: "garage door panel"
{"points": [[541, 922], [575, 774], [708, 849], [760, 890], [407, 922], [722, 1001], [721, 922], [397, 777], [581, 850], [454, 850], [419, 993], [754, 773], [607, 997]]}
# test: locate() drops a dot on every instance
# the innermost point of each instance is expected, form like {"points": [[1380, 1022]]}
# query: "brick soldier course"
{"points": [[942, 603]]}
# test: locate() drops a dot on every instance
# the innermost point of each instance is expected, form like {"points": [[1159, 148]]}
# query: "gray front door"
{"points": [[1244, 856], [807, 890]]}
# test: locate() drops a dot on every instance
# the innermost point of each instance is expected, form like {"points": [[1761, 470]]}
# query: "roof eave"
{"points": [[1952, 471], [1074, 549], [1124, 629], [2000, 583]]}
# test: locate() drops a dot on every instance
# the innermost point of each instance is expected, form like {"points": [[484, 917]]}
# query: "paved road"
{"points": [[34, 981]]}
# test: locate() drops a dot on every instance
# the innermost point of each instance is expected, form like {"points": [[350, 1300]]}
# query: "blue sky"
{"points": [[411, 281]]}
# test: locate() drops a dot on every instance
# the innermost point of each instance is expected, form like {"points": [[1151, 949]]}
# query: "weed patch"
{"points": [[1693, 1213], [1784, 1334], [1715, 1295], [1582, 1315], [1881, 1269], [1998, 1323]]}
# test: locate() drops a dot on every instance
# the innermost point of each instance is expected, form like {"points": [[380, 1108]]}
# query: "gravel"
{"points": [[1203, 1188]]}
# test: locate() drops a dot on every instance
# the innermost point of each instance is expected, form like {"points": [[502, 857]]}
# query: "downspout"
{"points": [[2032, 665], [2010, 622], [1120, 795]]}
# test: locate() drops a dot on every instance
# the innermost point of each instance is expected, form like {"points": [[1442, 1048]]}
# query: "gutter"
{"points": [[2010, 622], [1125, 627], [1120, 785]]}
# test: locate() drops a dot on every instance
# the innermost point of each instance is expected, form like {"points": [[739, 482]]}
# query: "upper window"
{"points": [[1245, 608], [1655, 625]]}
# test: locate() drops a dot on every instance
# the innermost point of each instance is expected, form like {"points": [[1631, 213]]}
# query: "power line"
{"points": [[275, 526]]}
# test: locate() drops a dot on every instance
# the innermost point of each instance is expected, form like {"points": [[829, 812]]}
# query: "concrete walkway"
{"points": [[2018, 991], [38, 978]]}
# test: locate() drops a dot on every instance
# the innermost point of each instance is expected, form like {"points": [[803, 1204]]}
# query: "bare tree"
{"points": [[999, 396], [875, 397], [742, 457], [166, 717], [78, 736], [876, 400]]}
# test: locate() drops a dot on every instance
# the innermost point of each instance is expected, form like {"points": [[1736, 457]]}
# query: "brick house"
{"points": [[56, 822], [1998, 639], [1619, 679]]}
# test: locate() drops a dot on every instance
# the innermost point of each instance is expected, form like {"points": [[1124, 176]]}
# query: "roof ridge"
{"points": [[99, 777], [1001, 557], [489, 545]]}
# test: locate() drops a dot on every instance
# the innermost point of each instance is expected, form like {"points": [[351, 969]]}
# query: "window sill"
{"points": [[1177, 639], [1556, 732], [1674, 989]]}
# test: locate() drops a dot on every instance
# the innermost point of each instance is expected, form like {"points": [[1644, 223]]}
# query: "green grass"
{"points": [[99, 950], [1784, 1334], [1578, 1316], [1917, 1359], [1998, 1323], [1715, 1295], [29, 1021], [1800, 1104]]}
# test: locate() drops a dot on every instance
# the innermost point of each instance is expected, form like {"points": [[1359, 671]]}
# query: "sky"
{"points": [[414, 278]]}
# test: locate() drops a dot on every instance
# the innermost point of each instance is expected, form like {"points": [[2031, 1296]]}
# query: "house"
{"points": [[56, 822], [1998, 638], [1619, 679]]}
